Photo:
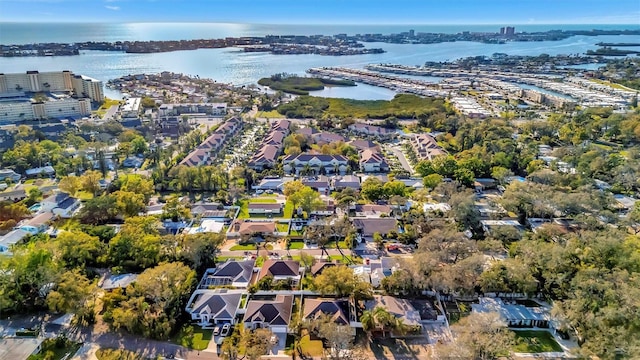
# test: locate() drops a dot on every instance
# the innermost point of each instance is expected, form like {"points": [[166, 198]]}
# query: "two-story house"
{"points": [[315, 164]]}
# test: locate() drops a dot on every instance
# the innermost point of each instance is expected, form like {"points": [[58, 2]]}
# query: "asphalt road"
{"points": [[403, 160]]}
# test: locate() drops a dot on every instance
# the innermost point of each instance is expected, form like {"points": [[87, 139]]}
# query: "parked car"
{"points": [[226, 328], [216, 330]]}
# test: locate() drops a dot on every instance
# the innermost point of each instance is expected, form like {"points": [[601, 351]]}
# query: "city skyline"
{"points": [[330, 12]]}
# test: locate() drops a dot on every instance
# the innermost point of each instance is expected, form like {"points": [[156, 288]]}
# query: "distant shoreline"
{"points": [[333, 45]]}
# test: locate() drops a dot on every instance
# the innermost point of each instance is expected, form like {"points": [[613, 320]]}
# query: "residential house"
{"points": [[266, 208], [372, 160], [320, 183], [215, 109], [202, 208], [273, 183], [36, 225], [242, 227], [366, 227], [320, 266], [214, 307], [271, 147], [11, 238], [373, 210], [514, 314], [336, 309], [232, 273], [67, 208], [347, 181], [44, 171], [401, 309], [315, 164], [265, 158], [325, 137], [274, 314], [327, 208], [9, 174], [372, 130], [15, 195], [18, 348], [206, 152], [362, 145], [281, 270], [133, 162], [118, 281], [491, 225], [426, 147]]}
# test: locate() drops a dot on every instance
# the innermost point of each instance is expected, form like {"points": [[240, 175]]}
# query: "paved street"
{"points": [[403, 160]]}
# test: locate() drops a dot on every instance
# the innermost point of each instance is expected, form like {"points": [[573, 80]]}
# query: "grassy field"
{"points": [[193, 337], [311, 347], [244, 209], [244, 247], [531, 341], [288, 210], [263, 200], [296, 245], [273, 114], [280, 227], [332, 245], [610, 84]]}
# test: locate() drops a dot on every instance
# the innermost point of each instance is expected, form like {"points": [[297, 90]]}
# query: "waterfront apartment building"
{"points": [[55, 81], [27, 110], [213, 109], [58, 94]]}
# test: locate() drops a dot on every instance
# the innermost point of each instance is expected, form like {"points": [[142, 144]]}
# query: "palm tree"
{"points": [[380, 319]]}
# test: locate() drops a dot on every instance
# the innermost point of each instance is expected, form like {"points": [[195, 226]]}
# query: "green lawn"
{"points": [[263, 200], [311, 347], [193, 337], [296, 245], [222, 259], [332, 245], [244, 209], [243, 247], [531, 341], [55, 350], [288, 210], [273, 114], [345, 259], [282, 227]]}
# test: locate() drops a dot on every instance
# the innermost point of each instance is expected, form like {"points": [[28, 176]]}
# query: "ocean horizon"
{"points": [[15, 33]]}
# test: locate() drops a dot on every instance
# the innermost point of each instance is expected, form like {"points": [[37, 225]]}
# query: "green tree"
{"points": [[70, 185], [372, 189], [432, 180], [341, 281], [306, 198], [482, 336]]}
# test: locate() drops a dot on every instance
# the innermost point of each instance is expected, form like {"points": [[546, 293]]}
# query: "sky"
{"points": [[326, 11]]}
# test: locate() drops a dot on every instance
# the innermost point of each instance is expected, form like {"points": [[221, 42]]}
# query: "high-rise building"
{"points": [[54, 81], [510, 31], [58, 94], [502, 30]]}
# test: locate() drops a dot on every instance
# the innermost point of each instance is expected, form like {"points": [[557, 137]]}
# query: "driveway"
{"points": [[403, 160]]}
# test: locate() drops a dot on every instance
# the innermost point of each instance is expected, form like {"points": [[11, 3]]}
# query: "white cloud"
{"points": [[114, 8]]}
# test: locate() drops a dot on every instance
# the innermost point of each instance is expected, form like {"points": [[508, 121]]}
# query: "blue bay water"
{"points": [[232, 65]]}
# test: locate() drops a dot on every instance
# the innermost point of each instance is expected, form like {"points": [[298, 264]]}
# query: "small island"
{"points": [[300, 85]]}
